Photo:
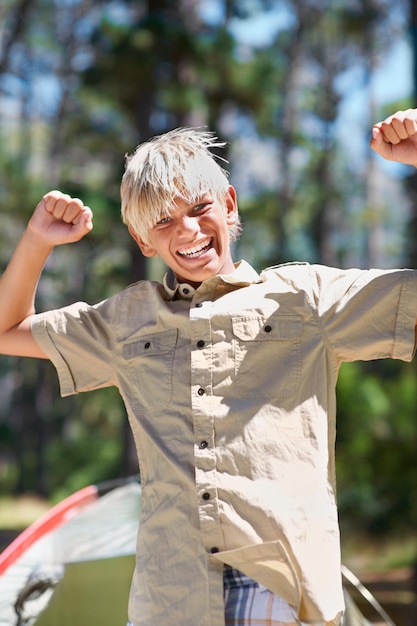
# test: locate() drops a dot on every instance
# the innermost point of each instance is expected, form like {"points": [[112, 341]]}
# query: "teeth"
{"points": [[194, 252]]}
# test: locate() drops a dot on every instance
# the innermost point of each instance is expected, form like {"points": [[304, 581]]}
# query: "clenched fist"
{"points": [[60, 219]]}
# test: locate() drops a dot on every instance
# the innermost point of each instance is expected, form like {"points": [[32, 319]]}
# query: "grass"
{"points": [[372, 553], [17, 513]]}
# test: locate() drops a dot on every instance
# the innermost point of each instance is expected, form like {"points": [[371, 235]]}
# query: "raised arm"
{"points": [[395, 139], [57, 219]]}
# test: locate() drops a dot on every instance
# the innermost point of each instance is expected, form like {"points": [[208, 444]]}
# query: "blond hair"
{"points": [[176, 164]]}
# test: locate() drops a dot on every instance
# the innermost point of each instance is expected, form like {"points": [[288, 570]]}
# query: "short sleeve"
{"points": [[78, 340], [366, 314]]}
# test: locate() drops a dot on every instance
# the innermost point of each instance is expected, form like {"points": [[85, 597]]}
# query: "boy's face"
{"points": [[193, 240]]}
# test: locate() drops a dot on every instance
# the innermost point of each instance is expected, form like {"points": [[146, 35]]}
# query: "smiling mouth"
{"points": [[196, 251]]}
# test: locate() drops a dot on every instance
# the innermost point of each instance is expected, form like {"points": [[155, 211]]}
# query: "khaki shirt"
{"points": [[230, 392]]}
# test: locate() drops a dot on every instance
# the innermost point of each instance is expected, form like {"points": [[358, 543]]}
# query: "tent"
{"points": [[73, 567]]}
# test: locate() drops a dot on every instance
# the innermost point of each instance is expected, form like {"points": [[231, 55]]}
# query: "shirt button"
{"points": [[147, 345], [206, 496], [201, 392], [203, 445], [214, 550], [186, 291], [268, 328], [200, 344], [199, 305]]}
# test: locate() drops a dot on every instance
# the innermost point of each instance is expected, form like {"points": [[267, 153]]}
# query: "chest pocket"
{"points": [[267, 353], [150, 361]]}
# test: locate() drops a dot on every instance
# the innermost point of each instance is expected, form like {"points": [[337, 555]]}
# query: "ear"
{"points": [[231, 206], [145, 248]]}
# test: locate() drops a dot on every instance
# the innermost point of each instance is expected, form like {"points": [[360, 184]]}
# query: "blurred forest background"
{"points": [[294, 87]]}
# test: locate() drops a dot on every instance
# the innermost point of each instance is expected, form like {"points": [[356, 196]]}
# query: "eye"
{"points": [[164, 220], [200, 207]]}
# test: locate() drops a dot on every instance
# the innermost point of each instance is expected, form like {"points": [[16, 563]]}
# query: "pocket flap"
{"points": [[275, 327], [151, 344]]}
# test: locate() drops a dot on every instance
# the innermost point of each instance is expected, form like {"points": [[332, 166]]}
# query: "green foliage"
{"points": [[376, 444], [90, 447]]}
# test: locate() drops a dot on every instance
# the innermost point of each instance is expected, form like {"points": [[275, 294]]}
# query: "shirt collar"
{"points": [[175, 289], [243, 275]]}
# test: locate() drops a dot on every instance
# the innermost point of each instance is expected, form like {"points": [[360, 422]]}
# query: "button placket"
{"points": [[200, 354], [202, 413]]}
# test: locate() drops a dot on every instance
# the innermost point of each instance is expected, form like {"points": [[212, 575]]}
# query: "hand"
{"points": [[60, 219], [395, 139]]}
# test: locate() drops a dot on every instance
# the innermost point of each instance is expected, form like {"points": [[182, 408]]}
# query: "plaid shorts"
{"points": [[246, 603]]}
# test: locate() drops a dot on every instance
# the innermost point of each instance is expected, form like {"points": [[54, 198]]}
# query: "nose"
{"points": [[188, 224]]}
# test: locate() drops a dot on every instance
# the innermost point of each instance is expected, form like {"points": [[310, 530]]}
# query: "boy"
{"points": [[229, 380]]}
